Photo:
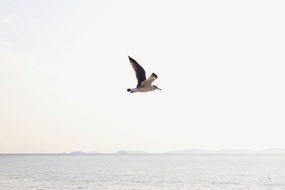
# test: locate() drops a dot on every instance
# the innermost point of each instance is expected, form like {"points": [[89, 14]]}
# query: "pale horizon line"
{"points": [[185, 151]]}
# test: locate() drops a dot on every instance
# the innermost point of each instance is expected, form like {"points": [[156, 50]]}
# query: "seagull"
{"points": [[144, 85]]}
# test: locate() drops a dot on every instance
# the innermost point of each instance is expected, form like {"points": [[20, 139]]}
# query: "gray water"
{"points": [[142, 172]]}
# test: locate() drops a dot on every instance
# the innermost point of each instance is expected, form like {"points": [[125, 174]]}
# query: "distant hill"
{"points": [[229, 151], [78, 152], [81, 152], [194, 151], [93, 152], [191, 151], [130, 152]]}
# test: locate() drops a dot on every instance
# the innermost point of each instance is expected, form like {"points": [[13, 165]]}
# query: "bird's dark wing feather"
{"points": [[140, 72]]}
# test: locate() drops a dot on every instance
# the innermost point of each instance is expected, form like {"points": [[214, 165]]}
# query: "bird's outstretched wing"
{"points": [[140, 72], [150, 79]]}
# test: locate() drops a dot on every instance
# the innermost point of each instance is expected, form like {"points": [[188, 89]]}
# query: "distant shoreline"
{"points": [[269, 151]]}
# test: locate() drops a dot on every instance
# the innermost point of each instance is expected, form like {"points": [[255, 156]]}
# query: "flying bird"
{"points": [[144, 85]]}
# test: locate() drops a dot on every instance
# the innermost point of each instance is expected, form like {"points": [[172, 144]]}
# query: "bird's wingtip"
{"points": [[154, 75]]}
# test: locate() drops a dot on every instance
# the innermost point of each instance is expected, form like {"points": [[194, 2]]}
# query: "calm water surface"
{"points": [[142, 172]]}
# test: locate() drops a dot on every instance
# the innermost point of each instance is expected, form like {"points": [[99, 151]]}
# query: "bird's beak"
{"points": [[159, 88]]}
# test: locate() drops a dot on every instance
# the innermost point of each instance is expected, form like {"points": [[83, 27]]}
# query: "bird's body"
{"points": [[145, 89], [143, 85]]}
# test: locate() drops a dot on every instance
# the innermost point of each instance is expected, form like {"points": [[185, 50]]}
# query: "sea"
{"points": [[142, 172]]}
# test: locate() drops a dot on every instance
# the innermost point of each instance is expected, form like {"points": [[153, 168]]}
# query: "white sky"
{"points": [[64, 72]]}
